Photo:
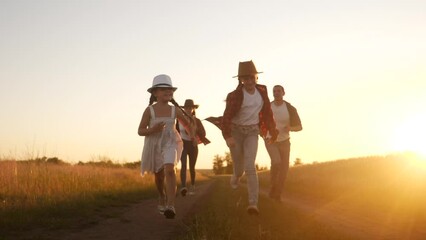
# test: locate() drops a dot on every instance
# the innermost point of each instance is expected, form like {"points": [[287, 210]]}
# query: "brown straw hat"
{"points": [[190, 103], [246, 68]]}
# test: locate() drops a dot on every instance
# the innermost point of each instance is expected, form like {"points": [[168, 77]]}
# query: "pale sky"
{"points": [[74, 74]]}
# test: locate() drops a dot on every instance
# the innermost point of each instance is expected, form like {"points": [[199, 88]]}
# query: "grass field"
{"points": [[385, 193], [225, 217], [382, 195], [51, 195]]}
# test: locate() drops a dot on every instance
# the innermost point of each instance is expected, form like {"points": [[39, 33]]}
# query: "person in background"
{"points": [[163, 144], [247, 113], [190, 147], [287, 119]]}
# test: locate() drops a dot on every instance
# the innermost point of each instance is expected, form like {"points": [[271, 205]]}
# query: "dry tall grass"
{"points": [[42, 194], [46, 194], [27, 185]]}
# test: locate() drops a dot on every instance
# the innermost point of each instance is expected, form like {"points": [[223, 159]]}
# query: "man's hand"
{"points": [[274, 137]]}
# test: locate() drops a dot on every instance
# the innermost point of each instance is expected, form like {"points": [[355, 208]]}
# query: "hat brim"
{"points": [[245, 75], [194, 106], [152, 88]]}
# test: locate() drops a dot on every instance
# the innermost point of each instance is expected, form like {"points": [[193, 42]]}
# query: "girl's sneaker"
{"points": [[161, 205], [170, 212], [183, 191], [192, 190]]}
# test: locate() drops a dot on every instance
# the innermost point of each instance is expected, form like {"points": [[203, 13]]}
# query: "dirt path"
{"points": [[141, 221]]}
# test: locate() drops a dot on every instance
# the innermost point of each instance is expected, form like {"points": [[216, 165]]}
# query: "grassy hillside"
{"points": [[380, 197]]}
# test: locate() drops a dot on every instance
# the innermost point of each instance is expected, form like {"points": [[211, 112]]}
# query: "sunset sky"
{"points": [[74, 74]]}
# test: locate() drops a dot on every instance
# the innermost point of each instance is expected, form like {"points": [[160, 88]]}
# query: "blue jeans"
{"points": [[244, 156], [279, 152]]}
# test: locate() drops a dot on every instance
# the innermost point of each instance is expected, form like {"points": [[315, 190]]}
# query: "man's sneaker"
{"points": [[234, 182], [170, 212], [192, 190], [252, 210], [183, 191]]}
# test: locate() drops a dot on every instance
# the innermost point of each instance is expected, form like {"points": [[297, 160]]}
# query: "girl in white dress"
{"points": [[163, 144]]}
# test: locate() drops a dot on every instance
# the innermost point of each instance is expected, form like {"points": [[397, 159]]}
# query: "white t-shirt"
{"points": [[184, 135], [282, 119], [250, 108]]}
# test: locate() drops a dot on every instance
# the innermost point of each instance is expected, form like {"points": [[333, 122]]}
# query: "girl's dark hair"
{"points": [[174, 103], [177, 106], [240, 83], [152, 99]]}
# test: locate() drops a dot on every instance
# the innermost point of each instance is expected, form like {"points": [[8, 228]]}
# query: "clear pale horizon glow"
{"points": [[74, 74]]}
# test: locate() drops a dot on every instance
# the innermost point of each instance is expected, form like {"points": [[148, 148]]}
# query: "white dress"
{"points": [[161, 147]]}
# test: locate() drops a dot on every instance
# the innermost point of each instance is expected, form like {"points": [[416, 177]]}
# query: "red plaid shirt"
{"points": [[234, 101]]}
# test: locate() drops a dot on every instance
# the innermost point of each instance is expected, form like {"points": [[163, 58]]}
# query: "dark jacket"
{"points": [[294, 116]]}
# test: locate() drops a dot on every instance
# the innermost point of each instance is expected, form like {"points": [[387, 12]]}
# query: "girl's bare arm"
{"points": [[144, 129]]}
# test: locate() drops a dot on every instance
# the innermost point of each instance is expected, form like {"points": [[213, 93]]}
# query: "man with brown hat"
{"points": [[247, 114]]}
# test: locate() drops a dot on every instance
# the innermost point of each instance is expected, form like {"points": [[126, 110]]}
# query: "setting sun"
{"points": [[409, 135]]}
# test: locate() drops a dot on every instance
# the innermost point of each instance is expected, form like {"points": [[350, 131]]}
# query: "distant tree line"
{"points": [[43, 160], [298, 162], [98, 162], [221, 164]]}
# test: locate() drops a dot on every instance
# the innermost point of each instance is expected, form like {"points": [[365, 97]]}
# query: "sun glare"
{"points": [[410, 135]]}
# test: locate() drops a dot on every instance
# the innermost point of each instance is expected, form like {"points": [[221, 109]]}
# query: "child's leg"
{"points": [[193, 154], [159, 182], [170, 174], [183, 161]]}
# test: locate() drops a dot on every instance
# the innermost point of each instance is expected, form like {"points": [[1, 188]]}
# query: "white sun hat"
{"points": [[161, 81]]}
